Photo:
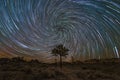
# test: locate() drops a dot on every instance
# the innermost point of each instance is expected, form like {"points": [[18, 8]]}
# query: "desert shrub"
{"points": [[18, 59], [34, 61], [4, 61], [27, 71], [81, 75]]}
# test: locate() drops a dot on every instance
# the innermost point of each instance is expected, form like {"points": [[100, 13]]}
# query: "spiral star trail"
{"points": [[88, 28]]}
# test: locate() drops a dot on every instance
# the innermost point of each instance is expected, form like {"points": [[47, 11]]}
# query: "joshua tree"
{"points": [[60, 51]]}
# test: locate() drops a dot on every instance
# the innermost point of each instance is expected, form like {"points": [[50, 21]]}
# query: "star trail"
{"points": [[88, 28]]}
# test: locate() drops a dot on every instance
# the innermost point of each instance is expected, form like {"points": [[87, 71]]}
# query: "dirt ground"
{"points": [[21, 70]]}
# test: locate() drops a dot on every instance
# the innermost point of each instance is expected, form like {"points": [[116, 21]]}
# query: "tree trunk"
{"points": [[60, 61], [55, 62]]}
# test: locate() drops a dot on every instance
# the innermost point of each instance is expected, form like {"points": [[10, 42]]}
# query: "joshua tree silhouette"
{"points": [[60, 51]]}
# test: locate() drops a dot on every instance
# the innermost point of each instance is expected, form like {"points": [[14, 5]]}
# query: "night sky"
{"points": [[88, 28]]}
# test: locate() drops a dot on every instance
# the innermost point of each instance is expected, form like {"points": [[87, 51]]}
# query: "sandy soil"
{"points": [[22, 70]]}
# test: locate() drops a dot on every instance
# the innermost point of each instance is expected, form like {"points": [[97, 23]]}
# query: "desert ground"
{"points": [[18, 69]]}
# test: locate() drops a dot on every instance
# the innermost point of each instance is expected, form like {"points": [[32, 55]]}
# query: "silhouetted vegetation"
{"points": [[19, 69], [60, 51], [18, 59]]}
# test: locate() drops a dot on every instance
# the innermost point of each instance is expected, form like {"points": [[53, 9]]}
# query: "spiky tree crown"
{"points": [[60, 50]]}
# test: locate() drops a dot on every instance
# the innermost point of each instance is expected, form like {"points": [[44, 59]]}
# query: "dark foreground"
{"points": [[17, 69]]}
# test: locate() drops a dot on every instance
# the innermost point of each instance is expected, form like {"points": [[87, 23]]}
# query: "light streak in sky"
{"points": [[88, 28]]}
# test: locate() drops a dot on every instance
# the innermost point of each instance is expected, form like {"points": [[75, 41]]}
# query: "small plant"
{"points": [[18, 59]]}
